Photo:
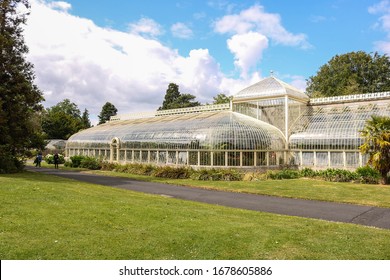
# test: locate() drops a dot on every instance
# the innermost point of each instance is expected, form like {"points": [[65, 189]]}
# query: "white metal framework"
{"points": [[267, 124]]}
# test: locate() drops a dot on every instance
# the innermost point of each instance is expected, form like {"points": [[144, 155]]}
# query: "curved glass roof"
{"points": [[268, 88], [334, 127], [223, 130]]}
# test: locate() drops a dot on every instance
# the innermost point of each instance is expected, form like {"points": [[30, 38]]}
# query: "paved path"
{"points": [[339, 212]]}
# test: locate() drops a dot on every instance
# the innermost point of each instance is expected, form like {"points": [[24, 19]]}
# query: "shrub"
{"points": [[90, 163], [172, 172], [308, 173], [49, 158], [10, 164], [337, 175], [217, 175], [283, 174], [368, 175]]}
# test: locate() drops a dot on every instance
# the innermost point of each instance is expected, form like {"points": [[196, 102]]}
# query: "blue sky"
{"points": [[127, 52]]}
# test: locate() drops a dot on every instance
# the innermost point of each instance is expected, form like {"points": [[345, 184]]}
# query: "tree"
{"points": [[221, 99], [108, 110], [376, 135], [86, 123], [351, 73], [20, 98], [62, 120], [174, 99]]}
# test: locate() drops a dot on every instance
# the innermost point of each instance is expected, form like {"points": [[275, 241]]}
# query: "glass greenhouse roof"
{"points": [[222, 130], [334, 127], [268, 88]]}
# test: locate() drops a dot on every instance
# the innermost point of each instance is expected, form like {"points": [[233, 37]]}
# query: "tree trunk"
{"points": [[384, 180]]}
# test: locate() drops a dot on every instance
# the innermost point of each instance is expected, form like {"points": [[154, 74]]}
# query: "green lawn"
{"points": [[47, 217]]}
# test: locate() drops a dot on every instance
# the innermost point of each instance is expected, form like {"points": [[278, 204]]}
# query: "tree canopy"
{"points": [[221, 99], [174, 99], [351, 73], [64, 119], [20, 98], [108, 110]]}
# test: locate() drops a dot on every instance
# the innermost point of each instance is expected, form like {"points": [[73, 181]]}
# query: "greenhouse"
{"points": [[266, 125]]}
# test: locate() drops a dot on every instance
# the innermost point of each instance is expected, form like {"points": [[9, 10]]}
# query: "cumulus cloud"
{"points": [[146, 26], [76, 59], [383, 10], [247, 49], [256, 19], [180, 30], [251, 31]]}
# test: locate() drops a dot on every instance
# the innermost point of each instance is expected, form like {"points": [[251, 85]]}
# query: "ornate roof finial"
{"points": [[271, 73]]}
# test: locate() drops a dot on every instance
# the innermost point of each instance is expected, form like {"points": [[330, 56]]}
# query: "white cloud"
{"points": [[180, 30], [247, 49], [146, 26], [256, 19], [60, 5], [383, 9], [252, 30], [76, 59]]}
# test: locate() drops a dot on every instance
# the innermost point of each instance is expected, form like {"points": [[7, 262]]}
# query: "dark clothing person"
{"points": [[38, 160], [56, 161]]}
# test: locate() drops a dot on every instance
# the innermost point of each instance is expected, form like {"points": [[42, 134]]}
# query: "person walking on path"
{"points": [[38, 160], [56, 160]]}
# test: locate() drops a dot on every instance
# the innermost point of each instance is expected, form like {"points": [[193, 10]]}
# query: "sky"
{"points": [[127, 52]]}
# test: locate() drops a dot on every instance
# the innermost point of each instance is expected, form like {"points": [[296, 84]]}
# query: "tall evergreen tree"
{"points": [[19, 98], [108, 110], [174, 99], [85, 119]]}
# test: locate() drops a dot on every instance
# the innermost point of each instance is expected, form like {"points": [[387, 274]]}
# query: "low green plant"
{"points": [[90, 163], [283, 174], [368, 175], [338, 175]]}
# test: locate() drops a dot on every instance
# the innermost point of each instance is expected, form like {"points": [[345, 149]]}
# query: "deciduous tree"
{"points": [[174, 99], [351, 73]]}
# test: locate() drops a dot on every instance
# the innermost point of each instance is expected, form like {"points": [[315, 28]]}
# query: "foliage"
{"points": [[351, 73], [19, 97], [174, 99], [108, 110], [172, 172], [337, 175], [368, 175], [283, 174], [85, 121], [84, 162], [217, 175], [376, 135], [49, 158], [62, 120], [221, 99]]}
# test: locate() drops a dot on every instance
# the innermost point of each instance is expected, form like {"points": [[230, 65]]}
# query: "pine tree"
{"points": [[85, 119], [174, 99], [19, 97], [108, 110]]}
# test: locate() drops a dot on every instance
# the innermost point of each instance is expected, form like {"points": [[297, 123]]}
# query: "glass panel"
{"points": [[172, 157], [129, 156], [153, 156], [182, 158], [145, 155], [122, 155], [137, 156], [234, 158], [352, 159], [205, 158], [219, 158], [162, 157], [307, 158], [261, 159], [336, 159], [272, 158], [322, 159], [248, 159], [193, 160]]}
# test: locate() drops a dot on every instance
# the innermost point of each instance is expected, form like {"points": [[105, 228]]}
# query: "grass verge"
{"points": [[44, 217]]}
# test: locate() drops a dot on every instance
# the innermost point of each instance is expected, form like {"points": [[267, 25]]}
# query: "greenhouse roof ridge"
{"points": [[351, 98], [179, 111], [269, 88]]}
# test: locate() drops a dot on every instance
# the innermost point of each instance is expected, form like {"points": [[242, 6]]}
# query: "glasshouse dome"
{"points": [[266, 125]]}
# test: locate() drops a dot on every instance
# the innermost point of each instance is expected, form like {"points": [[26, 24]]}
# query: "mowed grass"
{"points": [[48, 217], [363, 194]]}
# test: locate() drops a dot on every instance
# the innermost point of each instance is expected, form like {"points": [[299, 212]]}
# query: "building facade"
{"points": [[266, 125]]}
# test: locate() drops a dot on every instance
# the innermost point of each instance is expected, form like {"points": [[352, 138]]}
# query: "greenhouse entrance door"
{"points": [[114, 147]]}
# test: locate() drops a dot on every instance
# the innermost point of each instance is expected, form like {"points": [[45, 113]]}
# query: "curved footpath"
{"points": [[330, 211]]}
